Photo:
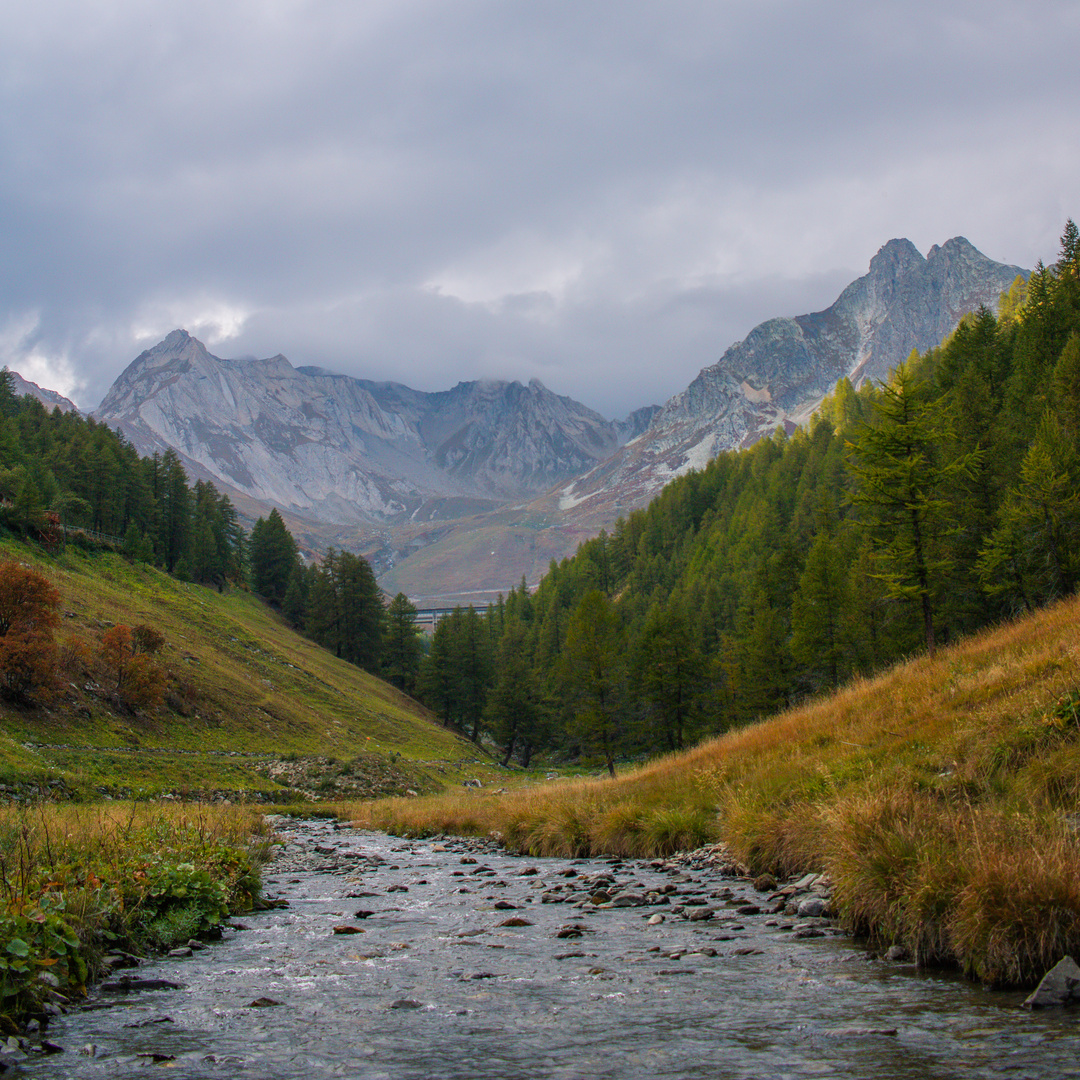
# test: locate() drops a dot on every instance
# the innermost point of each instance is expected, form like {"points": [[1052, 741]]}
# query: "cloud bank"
{"points": [[600, 196]]}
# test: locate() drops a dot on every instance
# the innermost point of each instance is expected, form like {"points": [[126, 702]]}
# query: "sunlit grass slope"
{"points": [[243, 687], [942, 797]]}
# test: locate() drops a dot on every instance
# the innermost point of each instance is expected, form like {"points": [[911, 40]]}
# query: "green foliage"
{"points": [[177, 901], [401, 644], [65, 477], [902, 464], [71, 887], [345, 610], [274, 557]]}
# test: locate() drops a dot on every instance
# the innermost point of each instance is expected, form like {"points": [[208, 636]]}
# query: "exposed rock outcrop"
{"points": [[785, 366]]}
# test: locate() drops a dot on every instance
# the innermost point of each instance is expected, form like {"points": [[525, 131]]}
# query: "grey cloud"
{"points": [[615, 192]]}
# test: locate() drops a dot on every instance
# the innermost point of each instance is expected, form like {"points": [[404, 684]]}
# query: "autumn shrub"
{"points": [[677, 828], [28, 620], [618, 829], [1017, 911], [127, 655]]}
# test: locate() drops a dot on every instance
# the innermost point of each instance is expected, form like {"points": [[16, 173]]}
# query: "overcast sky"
{"points": [[602, 195]]}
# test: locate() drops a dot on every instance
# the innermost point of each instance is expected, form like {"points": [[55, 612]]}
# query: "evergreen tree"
{"points": [[514, 713], [273, 556], [401, 648], [669, 674], [900, 473], [592, 668]]}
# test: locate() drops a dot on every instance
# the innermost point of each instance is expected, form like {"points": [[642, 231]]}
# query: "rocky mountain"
{"points": [[49, 398], [781, 371], [457, 494], [350, 452]]}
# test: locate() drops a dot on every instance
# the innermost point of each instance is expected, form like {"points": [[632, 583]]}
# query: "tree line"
{"points": [[337, 603], [905, 515], [61, 471]]}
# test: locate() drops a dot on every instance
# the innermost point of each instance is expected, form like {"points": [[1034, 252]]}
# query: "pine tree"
{"points": [[900, 473], [273, 556], [401, 649], [592, 668]]}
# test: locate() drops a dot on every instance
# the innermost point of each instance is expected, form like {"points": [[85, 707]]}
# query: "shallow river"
{"points": [[441, 983]]}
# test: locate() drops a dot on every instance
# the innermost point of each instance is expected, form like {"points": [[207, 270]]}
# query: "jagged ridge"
{"points": [[349, 451]]}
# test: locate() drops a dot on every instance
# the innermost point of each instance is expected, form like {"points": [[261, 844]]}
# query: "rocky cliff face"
{"points": [[784, 367], [347, 451], [49, 398]]}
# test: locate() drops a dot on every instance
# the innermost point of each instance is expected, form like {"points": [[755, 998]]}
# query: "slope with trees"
{"points": [[904, 516]]}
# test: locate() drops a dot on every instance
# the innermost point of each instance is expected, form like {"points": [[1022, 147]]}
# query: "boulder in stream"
{"points": [[1059, 986]]}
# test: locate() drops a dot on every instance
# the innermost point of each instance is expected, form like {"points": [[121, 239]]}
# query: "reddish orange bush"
{"points": [[28, 619], [126, 653]]}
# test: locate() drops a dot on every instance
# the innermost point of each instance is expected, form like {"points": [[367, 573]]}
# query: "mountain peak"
{"points": [[347, 451], [897, 252]]}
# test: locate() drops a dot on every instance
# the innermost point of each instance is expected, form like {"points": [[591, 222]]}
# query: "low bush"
{"points": [[77, 881]]}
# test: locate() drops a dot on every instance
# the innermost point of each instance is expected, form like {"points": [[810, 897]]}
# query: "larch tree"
{"points": [[901, 466]]}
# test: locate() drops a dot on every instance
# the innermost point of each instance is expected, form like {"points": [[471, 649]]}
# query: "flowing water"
{"points": [[464, 968]]}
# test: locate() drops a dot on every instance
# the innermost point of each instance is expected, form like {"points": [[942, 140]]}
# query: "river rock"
{"points": [[812, 907], [856, 1032], [127, 982], [1060, 985]]}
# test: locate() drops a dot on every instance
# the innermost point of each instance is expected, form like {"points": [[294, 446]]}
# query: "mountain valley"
{"points": [[458, 494]]}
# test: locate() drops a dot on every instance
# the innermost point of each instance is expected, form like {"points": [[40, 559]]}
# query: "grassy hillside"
{"points": [[942, 797], [247, 697]]}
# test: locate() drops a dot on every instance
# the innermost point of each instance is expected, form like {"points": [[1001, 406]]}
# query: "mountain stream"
{"points": [[452, 959]]}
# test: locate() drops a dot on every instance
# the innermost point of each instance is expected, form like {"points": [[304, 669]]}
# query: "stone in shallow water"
{"points": [[1060, 985], [854, 1032], [263, 1003]]}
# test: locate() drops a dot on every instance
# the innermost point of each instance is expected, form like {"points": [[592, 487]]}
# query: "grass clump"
{"points": [[78, 881]]}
